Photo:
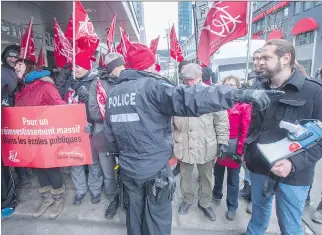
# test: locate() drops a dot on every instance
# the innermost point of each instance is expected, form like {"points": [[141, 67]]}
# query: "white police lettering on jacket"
{"points": [[122, 100]]}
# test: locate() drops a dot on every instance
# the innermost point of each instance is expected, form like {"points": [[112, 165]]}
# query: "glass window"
{"points": [[285, 12], [304, 38], [307, 5], [297, 7], [317, 3]]}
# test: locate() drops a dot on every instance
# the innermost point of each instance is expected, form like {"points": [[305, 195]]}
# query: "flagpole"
{"points": [[250, 16], [74, 39], [29, 32], [177, 70]]}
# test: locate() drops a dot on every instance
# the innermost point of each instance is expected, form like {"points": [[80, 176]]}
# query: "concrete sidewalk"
{"points": [[88, 212]]}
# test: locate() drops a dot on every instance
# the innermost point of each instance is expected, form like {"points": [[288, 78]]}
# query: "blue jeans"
{"points": [[290, 202], [232, 185], [247, 175]]}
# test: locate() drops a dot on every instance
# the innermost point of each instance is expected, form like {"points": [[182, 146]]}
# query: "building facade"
{"points": [[298, 22], [184, 21], [15, 17], [139, 11]]}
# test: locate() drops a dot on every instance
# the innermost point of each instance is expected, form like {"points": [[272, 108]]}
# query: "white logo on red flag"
{"points": [[63, 50], [225, 22]]}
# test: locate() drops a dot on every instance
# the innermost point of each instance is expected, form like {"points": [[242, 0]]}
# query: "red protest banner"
{"points": [[45, 137]]}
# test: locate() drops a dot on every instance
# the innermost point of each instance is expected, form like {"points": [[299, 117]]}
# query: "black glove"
{"points": [[82, 93], [222, 149], [259, 97], [88, 128]]}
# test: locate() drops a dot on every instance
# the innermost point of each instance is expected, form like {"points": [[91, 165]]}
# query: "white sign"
{"points": [[202, 9]]}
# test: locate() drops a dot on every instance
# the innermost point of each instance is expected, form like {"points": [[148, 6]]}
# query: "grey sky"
{"points": [[157, 16]]}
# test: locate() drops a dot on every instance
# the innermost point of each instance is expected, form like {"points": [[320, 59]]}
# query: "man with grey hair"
{"points": [[98, 94]]}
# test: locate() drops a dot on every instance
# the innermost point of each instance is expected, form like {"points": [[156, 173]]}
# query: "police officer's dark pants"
{"points": [[145, 215]]}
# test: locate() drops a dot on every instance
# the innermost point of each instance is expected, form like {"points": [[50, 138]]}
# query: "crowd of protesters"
{"points": [[203, 137]]}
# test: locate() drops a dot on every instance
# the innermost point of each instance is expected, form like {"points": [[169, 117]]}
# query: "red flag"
{"points": [[154, 45], [101, 62], [27, 46], [86, 37], [124, 44], [226, 21], [41, 58], [63, 50], [69, 29], [175, 48], [110, 35]]}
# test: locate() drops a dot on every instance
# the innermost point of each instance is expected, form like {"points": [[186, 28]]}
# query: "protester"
{"points": [[239, 121], [290, 177], [196, 142], [8, 190], [77, 91], [181, 65], [255, 81], [108, 79], [138, 128], [22, 68], [41, 91], [9, 78], [318, 74]]}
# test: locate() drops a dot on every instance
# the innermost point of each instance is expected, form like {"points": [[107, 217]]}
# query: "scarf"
{"points": [[101, 98]]}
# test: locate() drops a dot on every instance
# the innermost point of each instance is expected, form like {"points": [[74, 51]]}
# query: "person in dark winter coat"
{"points": [[98, 95], [41, 91], [9, 78], [77, 91], [138, 128]]}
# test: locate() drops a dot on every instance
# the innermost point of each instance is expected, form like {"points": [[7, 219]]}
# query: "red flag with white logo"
{"points": [[41, 58], [225, 22], [69, 29], [86, 37], [175, 48], [124, 44], [27, 45], [110, 35], [63, 50], [154, 45]]}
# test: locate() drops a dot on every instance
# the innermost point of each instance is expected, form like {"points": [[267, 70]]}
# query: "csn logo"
{"points": [[13, 156]]}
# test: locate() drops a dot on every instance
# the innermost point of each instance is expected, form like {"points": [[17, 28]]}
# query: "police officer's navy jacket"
{"points": [[302, 100], [137, 120]]}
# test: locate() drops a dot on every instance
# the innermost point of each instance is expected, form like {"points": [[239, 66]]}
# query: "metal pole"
{"points": [[265, 24], [167, 36], [74, 39], [28, 37], [250, 16], [313, 53], [177, 70], [195, 28]]}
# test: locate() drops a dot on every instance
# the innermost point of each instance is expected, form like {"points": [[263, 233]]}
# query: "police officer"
{"points": [[137, 126]]}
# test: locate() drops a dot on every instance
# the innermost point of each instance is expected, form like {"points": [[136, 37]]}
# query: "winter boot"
{"points": [[47, 201], [59, 199], [245, 192]]}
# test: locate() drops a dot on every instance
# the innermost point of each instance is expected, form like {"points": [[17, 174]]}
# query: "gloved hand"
{"points": [[259, 97], [221, 150], [65, 73], [82, 93], [88, 128]]}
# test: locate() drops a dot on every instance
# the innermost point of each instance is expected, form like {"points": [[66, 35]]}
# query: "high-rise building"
{"points": [[139, 11], [184, 21]]}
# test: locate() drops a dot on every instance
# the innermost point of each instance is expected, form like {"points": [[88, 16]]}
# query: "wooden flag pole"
{"points": [[28, 37]]}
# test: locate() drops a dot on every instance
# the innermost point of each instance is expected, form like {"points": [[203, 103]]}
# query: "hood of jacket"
{"points": [[133, 74], [35, 75], [11, 47], [89, 76]]}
